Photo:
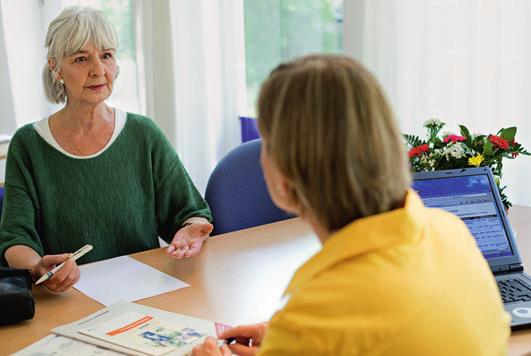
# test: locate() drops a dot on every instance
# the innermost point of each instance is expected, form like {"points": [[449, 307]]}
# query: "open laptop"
{"points": [[471, 194]]}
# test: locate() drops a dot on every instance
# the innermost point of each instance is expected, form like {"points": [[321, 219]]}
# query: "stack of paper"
{"points": [[144, 333], [58, 345], [127, 328]]}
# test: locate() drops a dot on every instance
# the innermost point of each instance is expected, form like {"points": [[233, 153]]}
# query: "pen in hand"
{"points": [[79, 253], [226, 341]]}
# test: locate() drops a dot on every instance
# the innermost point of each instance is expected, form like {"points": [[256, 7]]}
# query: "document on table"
{"points": [[124, 278], [146, 334], [138, 330], [58, 345]]}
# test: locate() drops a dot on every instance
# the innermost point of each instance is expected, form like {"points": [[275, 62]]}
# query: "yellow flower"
{"points": [[476, 160]]}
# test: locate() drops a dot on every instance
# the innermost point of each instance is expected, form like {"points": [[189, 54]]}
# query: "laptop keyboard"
{"points": [[514, 290]]}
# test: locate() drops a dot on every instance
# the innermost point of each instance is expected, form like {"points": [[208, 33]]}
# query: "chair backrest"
{"points": [[237, 194], [249, 129]]}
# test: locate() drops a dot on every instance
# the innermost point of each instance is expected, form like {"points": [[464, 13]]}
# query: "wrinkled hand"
{"points": [[248, 338], [64, 278], [189, 240], [210, 348]]}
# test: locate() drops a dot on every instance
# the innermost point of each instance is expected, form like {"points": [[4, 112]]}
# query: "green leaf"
{"points": [[413, 140], [508, 133], [464, 131], [487, 148]]}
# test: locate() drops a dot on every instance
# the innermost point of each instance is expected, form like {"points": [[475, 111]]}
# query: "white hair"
{"points": [[68, 33]]}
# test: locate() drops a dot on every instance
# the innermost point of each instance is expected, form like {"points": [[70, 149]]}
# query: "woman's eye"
{"points": [[80, 59], [107, 55]]}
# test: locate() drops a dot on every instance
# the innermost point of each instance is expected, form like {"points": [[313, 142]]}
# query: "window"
{"points": [[280, 30]]}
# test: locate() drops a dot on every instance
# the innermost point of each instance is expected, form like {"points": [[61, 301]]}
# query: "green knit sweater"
{"points": [[119, 201]]}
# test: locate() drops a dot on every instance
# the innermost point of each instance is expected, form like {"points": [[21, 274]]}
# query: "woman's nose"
{"points": [[98, 69]]}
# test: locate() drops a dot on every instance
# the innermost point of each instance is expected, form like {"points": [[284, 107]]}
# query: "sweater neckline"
{"points": [[43, 129]]}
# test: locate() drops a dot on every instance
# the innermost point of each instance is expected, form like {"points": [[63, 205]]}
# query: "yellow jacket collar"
{"points": [[363, 236]]}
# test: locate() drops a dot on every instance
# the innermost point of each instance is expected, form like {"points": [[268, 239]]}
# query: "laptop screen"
{"points": [[471, 198]]}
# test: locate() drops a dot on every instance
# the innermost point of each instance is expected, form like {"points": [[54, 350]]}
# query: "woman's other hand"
{"points": [[210, 348], [248, 338], [63, 279], [189, 240]]}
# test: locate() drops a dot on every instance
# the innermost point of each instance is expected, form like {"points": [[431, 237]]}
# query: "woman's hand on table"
{"points": [[248, 340], [188, 240], [63, 279], [210, 348]]}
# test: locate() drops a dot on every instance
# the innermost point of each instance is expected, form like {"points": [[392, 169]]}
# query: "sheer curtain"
{"points": [[194, 69], [7, 110], [466, 61], [22, 61]]}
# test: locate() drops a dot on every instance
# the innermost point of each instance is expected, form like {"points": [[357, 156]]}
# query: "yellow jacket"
{"points": [[407, 282]]}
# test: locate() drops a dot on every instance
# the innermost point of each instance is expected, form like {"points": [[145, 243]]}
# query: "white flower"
{"points": [[438, 152], [432, 122], [455, 150], [427, 161]]}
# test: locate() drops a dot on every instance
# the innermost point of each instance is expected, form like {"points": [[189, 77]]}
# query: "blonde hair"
{"points": [[68, 33], [327, 125]]}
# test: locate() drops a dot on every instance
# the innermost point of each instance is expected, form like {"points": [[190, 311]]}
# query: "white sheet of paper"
{"points": [[57, 345], [124, 278]]}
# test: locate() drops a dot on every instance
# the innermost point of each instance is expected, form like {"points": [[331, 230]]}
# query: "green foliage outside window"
{"points": [[120, 12], [279, 30]]}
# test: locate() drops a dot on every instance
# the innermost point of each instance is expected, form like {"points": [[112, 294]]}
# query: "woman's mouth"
{"points": [[96, 87]]}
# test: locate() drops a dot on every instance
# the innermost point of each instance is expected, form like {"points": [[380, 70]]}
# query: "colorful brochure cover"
{"points": [[144, 333], [140, 330]]}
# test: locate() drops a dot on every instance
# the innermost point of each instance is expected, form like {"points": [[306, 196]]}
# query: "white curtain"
{"points": [[466, 62], [7, 110], [194, 70], [23, 23]]}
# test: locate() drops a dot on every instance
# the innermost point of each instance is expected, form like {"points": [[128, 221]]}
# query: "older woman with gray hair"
{"points": [[90, 173]]}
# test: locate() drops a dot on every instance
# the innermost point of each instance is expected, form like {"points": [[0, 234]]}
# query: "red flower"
{"points": [[454, 138], [500, 142], [514, 154], [418, 150]]}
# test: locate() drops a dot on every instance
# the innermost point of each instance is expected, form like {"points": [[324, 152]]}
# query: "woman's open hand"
{"points": [[189, 240]]}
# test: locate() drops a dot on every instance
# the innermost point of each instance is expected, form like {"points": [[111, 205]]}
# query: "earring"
{"points": [[62, 81]]}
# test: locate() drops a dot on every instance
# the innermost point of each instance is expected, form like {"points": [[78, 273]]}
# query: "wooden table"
{"points": [[238, 278]]}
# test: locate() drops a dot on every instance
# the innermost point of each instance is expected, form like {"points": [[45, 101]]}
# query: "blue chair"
{"points": [[237, 194], [249, 129]]}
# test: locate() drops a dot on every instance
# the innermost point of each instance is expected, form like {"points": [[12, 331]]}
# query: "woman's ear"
{"points": [[52, 64], [282, 189], [290, 197]]}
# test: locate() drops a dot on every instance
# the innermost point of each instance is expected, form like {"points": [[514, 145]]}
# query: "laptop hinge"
{"points": [[509, 269]]}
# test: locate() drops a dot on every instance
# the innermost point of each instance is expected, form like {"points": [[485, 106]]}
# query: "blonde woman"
{"points": [[393, 277], [91, 173]]}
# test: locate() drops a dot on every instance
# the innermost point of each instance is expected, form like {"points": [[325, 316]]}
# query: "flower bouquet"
{"points": [[449, 150]]}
